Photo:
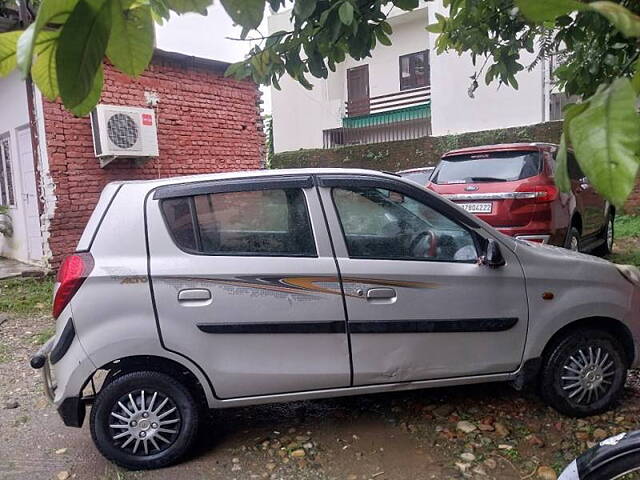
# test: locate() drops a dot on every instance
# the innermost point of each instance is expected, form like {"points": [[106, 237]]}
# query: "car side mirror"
{"points": [[493, 256]]}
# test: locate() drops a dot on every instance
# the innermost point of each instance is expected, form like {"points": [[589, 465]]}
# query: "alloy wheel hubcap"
{"points": [[144, 423], [587, 375]]}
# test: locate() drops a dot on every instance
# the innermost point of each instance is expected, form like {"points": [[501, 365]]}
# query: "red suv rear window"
{"points": [[487, 167]]}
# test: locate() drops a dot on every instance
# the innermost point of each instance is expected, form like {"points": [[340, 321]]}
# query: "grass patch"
{"points": [[628, 257], [41, 337], [26, 296], [627, 226], [4, 353]]}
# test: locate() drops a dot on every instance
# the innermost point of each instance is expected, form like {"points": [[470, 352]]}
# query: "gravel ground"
{"points": [[487, 431]]}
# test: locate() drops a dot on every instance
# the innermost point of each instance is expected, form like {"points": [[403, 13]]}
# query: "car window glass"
{"points": [[261, 222], [487, 167], [381, 223], [177, 214]]}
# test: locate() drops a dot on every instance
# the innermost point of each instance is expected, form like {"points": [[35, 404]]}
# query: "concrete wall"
{"points": [[300, 116], [453, 111], [14, 115]]}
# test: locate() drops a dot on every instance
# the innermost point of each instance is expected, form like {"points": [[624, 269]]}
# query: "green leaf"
{"points": [[187, 6], [606, 139], [8, 46], [247, 13], [439, 26], [130, 46], [635, 80], [570, 111], [44, 72], [561, 174], [81, 48], [304, 8], [545, 10], [382, 37], [159, 11], [49, 11], [345, 12], [406, 4], [92, 99], [623, 19], [386, 28]]}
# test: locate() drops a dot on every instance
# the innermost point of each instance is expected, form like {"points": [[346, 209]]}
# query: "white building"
{"points": [[403, 91]]}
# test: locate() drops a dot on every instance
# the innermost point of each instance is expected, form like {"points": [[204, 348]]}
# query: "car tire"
{"points": [[606, 247], [583, 373], [573, 240], [144, 420]]}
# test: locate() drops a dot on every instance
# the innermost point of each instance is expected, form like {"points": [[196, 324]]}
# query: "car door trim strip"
{"points": [[433, 326], [337, 326], [359, 327]]}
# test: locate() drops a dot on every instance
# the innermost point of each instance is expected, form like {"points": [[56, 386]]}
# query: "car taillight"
{"points": [[71, 275], [537, 193]]}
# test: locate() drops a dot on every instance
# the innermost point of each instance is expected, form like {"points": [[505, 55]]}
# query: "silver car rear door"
{"points": [[421, 315], [245, 295]]}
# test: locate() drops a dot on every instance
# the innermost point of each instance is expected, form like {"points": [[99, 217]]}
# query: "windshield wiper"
{"points": [[486, 179]]}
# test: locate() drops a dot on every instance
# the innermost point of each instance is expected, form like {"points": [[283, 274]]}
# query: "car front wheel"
{"points": [[144, 420], [584, 373]]}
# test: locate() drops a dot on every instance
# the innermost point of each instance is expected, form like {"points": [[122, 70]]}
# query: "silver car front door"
{"points": [[419, 304], [245, 284]]}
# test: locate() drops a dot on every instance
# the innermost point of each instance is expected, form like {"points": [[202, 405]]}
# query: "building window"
{"points": [[414, 70], [7, 194]]}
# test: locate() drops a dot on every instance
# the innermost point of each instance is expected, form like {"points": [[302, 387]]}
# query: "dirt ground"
{"points": [[405, 435]]}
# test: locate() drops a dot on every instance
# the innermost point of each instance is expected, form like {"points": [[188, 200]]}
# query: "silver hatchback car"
{"points": [[236, 289]]}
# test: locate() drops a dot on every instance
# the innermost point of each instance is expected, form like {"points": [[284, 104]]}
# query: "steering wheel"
{"points": [[433, 243]]}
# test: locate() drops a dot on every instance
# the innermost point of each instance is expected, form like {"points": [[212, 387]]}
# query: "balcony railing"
{"points": [[390, 101], [386, 118], [389, 126]]}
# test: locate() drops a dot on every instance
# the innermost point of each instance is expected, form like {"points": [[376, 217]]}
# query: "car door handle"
{"points": [[380, 293], [194, 295]]}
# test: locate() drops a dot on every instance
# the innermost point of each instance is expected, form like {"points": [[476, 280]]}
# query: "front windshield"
{"points": [[487, 167]]}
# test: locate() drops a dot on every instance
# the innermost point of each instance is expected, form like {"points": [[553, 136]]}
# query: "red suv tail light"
{"points": [[537, 193], [71, 275]]}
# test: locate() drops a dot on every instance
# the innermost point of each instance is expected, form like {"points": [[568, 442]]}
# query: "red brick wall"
{"points": [[206, 123]]}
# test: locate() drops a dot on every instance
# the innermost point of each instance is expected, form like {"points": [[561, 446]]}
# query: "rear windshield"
{"points": [[487, 167]]}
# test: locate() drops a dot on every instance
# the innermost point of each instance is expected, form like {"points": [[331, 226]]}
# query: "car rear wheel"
{"points": [[144, 420], [583, 373], [607, 236], [573, 240]]}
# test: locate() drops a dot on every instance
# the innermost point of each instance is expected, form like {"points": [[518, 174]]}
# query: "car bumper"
{"points": [[40, 361], [64, 379]]}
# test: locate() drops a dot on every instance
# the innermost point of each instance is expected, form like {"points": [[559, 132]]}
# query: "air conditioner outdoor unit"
{"points": [[119, 131]]}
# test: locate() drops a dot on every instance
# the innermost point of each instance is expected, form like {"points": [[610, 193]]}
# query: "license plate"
{"points": [[484, 207]]}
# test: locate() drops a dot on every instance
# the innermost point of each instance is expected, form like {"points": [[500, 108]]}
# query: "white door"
{"points": [[29, 199]]}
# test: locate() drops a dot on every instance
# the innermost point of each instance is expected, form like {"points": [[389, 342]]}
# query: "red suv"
{"points": [[511, 187]]}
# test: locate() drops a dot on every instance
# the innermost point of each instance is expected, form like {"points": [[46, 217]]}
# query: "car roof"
{"points": [[418, 169], [153, 183], [501, 147]]}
